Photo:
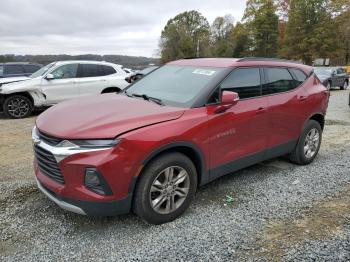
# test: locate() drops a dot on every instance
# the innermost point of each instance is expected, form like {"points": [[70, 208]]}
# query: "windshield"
{"points": [[323, 71], [148, 70], [42, 71], [175, 85]]}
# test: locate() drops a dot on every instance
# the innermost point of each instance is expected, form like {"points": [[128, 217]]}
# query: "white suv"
{"points": [[60, 81]]}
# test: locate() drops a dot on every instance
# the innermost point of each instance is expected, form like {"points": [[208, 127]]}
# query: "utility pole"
{"points": [[198, 48]]}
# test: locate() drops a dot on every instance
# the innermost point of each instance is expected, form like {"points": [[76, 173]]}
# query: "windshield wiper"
{"points": [[149, 98], [127, 94]]}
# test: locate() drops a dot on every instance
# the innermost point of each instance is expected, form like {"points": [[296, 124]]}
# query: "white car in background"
{"points": [[7, 80], [60, 81]]}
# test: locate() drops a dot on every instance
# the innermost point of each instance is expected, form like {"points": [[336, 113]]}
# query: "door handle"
{"points": [[302, 98], [260, 110]]}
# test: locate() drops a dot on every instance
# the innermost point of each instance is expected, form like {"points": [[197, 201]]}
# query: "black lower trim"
{"points": [[241, 163], [204, 175], [105, 187], [93, 208], [111, 208]]}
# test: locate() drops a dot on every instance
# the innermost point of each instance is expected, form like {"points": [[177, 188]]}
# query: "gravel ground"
{"points": [[280, 211]]}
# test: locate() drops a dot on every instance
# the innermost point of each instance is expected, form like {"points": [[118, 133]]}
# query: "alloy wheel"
{"points": [[18, 107], [345, 86], [169, 190], [311, 144]]}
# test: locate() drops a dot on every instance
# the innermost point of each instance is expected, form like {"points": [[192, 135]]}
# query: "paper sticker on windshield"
{"points": [[204, 72]]}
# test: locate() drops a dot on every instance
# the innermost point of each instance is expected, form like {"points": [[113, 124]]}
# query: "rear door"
{"points": [[341, 76], [239, 135], [91, 81], [114, 77], [287, 99], [64, 85]]}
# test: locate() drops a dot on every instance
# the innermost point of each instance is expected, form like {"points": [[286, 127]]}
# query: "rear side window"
{"points": [[278, 80], [30, 69], [244, 81], [14, 69], [90, 70], [299, 76], [108, 70]]}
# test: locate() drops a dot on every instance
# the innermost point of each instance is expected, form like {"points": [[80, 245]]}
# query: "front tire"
{"points": [[308, 144], [166, 188], [17, 106]]}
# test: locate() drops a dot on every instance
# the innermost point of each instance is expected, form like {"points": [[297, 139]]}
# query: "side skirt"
{"points": [[250, 160]]}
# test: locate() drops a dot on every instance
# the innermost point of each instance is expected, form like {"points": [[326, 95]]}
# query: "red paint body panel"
{"points": [[248, 127], [103, 116], [234, 133]]}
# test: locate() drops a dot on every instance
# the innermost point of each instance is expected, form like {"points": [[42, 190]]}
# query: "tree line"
{"points": [[135, 62], [291, 29]]}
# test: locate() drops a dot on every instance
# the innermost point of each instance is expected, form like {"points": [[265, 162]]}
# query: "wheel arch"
{"points": [[26, 94], [320, 118], [111, 89], [188, 149]]}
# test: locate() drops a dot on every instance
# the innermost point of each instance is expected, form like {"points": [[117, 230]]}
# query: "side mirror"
{"points": [[49, 77], [228, 99]]}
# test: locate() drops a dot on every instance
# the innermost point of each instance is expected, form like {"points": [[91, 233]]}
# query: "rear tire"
{"points": [[308, 144], [329, 85], [17, 106], [345, 86], [165, 189]]}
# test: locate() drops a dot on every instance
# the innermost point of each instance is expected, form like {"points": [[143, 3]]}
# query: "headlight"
{"points": [[89, 144]]}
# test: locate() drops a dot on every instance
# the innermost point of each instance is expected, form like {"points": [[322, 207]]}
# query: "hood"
{"points": [[102, 116], [13, 79], [27, 84]]}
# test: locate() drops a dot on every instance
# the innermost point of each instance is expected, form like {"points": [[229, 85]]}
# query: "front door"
{"points": [[238, 136], [63, 86]]}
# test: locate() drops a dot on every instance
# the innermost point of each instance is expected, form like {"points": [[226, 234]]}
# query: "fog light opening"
{"points": [[96, 183]]}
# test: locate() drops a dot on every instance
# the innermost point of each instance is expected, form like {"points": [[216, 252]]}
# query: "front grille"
{"points": [[49, 139], [48, 164]]}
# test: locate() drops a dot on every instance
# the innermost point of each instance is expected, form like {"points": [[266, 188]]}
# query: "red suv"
{"points": [[183, 125]]}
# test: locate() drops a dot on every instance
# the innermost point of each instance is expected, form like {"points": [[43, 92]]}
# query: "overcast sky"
{"points": [[96, 26]]}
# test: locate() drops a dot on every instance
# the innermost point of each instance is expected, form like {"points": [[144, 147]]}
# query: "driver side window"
{"points": [[65, 71], [244, 81]]}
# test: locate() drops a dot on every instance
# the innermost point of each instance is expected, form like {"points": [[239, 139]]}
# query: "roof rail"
{"points": [[193, 57], [245, 59]]}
